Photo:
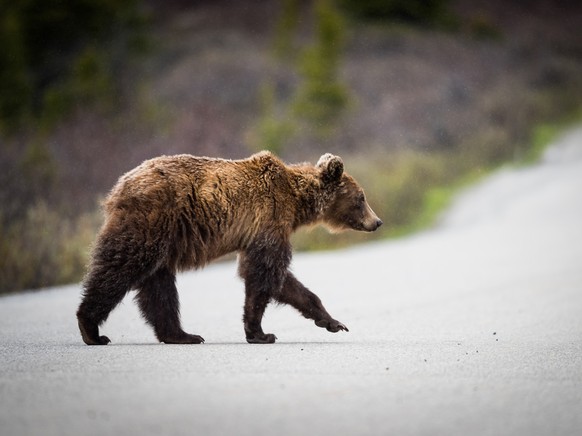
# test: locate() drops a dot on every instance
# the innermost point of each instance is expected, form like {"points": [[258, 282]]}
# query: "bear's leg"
{"points": [[104, 288], [158, 301], [262, 266], [255, 305], [307, 303]]}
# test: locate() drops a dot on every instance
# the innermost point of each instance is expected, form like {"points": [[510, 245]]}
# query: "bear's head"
{"points": [[348, 208]]}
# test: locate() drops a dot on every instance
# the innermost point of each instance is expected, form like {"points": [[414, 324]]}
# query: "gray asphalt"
{"points": [[471, 328]]}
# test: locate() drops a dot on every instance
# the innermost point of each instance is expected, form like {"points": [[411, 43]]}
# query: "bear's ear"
{"points": [[332, 167]]}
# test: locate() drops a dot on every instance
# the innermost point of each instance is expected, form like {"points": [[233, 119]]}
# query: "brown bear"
{"points": [[174, 213]]}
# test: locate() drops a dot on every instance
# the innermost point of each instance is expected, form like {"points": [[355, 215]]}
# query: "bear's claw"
{"points": [[331, 325]]}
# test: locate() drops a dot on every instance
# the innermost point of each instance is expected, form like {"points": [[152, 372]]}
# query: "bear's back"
{"points": [[178, 177], [204, 207]]}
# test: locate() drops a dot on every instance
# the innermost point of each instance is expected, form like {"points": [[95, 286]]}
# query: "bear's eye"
{"points": [[359, 204]]}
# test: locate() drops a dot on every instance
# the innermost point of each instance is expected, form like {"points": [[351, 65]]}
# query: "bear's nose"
{"points": [[373, 225]]}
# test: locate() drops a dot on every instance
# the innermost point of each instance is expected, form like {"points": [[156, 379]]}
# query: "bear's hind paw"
{"points": [[267, 338], [186, 338], [101, 340]]}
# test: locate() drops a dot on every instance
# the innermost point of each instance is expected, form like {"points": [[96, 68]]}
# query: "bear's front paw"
{"points": [[261, 338], [104, 340], [331, 325]]}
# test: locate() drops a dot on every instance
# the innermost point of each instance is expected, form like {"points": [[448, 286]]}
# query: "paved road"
{"points": [[473, 328]]}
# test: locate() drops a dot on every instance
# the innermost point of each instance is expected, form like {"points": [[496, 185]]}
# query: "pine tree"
{"points": [[322, 98]]}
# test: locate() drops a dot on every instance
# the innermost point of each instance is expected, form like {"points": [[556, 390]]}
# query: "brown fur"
{"points": [[175, 213]]}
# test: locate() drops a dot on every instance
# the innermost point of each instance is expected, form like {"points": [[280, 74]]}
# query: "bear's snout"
{"points": [[373, 225], [376, 225], [371, 222]]}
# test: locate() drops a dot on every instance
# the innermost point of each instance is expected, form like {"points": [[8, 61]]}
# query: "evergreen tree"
{"points": [[321, 97], [274, 128], [54, 51]]}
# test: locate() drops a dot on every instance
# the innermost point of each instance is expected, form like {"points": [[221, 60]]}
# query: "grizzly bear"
{"points": [[174, 213]]}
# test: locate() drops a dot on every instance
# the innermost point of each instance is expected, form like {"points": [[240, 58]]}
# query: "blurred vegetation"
{"points": [[432, 13], [57, 56], [418, 97], [320, 98], [284, 45], [44, 249], [58, 53], [410, 189], [275, 126]]}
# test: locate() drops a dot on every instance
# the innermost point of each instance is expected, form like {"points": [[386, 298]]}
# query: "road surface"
{"points": [[471, 328]]}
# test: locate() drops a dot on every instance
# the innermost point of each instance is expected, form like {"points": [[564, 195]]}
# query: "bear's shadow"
{"points": [[210, 344]]}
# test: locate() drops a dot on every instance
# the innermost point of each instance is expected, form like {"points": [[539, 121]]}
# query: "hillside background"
{"points": [[417, 97]]}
